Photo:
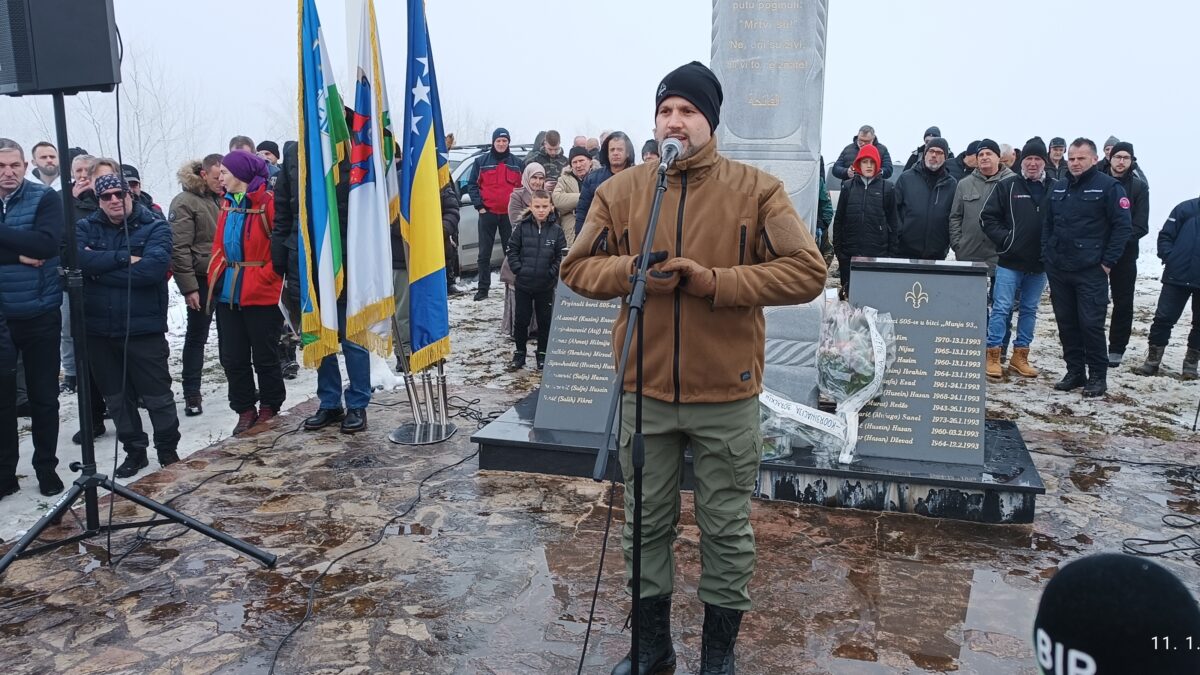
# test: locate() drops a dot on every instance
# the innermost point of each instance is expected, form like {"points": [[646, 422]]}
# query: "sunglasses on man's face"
{"points": [[113, 196]]}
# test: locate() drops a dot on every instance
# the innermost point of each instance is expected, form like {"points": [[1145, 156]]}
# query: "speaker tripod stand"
{"points": [[89, 482]]}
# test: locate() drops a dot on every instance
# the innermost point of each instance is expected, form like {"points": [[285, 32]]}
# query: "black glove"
{"points": [[655, 258]]}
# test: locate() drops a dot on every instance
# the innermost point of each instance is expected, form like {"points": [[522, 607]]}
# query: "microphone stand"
{"points": [[637, 303]]}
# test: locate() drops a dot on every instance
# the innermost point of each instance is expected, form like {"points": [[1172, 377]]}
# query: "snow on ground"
{"points": [[480, 354], [1162, 407]]}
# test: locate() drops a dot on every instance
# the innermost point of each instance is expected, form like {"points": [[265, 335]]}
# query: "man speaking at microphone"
{"points": [[728, 243]]}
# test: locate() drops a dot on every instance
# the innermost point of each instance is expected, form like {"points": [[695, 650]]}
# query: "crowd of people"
{"points": [[1059, 215]]}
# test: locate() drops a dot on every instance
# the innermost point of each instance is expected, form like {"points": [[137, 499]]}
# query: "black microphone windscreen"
{"points": [[1116, 613]]}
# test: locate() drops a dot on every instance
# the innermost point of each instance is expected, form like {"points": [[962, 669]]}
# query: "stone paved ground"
{"points": [[492, 572]]}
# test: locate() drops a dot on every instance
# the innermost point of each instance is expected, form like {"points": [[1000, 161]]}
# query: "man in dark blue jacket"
{"points": [[1087, 226], [124, 254], [491, 182], [31, 227], [1179, 249]]}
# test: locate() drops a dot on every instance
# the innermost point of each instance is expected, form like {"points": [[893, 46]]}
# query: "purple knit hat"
{"points": [[247, 167]]}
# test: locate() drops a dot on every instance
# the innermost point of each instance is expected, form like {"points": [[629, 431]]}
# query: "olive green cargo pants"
{"points": [[726, 444]]}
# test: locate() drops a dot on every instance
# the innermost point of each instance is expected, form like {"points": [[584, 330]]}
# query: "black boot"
{"points": [[135, 461], [356, 421], [518, 361], [323, 418], [721, 627], [9, 486], [655, 651], [98, 430], [1096, 385], [167, 456], [1072, 380], [49, 484]]}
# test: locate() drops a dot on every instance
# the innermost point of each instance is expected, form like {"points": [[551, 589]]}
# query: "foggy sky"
{"points": [[1005, 70]]}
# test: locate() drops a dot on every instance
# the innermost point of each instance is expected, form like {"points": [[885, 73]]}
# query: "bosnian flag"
{"points": [[374, 201], [424, 174]]}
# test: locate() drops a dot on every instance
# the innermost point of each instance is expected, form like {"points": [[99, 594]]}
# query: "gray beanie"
{"points": [[1112, 140]]}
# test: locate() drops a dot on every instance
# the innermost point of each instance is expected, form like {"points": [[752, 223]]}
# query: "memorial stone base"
{"points": [[1003, 490]]}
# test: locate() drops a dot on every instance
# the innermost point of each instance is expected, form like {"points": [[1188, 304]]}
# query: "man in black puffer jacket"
{"points": [[1012, 218], [534, 252], [843, 168], [923, 200], [865, 223]]}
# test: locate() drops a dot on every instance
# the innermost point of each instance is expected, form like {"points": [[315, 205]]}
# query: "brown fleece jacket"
{"points": [[724, 215]]}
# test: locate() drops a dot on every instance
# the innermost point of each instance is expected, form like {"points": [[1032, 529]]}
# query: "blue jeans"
{"points": [[1012, 287], [358, 371]]}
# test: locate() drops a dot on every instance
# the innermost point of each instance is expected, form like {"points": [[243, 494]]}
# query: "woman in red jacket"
{"points": [[245, 288]]}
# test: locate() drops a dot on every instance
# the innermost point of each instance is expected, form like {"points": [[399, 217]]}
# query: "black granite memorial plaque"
{"points": [[934, 396], [577, 382]]}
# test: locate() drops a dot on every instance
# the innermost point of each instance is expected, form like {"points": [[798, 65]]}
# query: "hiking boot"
{"points": [[135, 461], [1074, 379], [167, 457], [193, 405], [721, 627], [518, 361], [49, 484], [1020, 363], [1096, 386], [1154, 359], [323, 418], [1191, 365], [452, 290], [265, 414], [655, 651], [68, 384], [291, 370], [480, 294], [98, 430], [994, 372], [1115, 358], [245, 421], [9, 486], [356, 421]]}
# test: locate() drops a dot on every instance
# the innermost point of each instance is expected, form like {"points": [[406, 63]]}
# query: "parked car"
{"points": [[461, 159]]}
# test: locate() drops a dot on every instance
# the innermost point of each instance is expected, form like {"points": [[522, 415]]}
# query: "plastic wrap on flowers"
{"points": [[846, 356], [856, 348]]}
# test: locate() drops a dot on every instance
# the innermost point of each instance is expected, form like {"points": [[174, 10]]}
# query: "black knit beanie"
{"points": [[1034, 147], [1123, 145], [989, 144], [696, 83]]}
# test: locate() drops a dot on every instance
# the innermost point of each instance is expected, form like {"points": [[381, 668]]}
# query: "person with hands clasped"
{"points": [[735, 244]]}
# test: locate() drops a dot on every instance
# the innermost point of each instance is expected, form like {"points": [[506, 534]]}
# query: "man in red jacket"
{"points": [[493, 178]]}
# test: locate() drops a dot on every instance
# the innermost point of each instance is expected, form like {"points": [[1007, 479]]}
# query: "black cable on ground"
{"points": [[312, 587], [142, 536], [1158, 548]]}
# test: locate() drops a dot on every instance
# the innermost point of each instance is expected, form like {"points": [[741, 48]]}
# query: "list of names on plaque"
{"points": [[578, 379], [947, 398], [934, 395]]}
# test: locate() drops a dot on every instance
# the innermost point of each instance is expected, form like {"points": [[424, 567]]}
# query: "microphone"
{"points": [[671, 149]]}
